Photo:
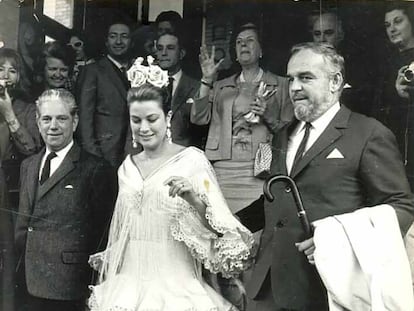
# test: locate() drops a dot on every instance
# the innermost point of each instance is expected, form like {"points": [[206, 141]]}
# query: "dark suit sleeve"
{"points": [[87, 98], [22, 217], [383, 175], [102, 201], [253, 216], [27, 138]]}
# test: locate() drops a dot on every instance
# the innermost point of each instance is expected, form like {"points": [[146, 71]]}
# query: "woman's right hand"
{"points": [[6, 109], [403, 87], [208, 66]]}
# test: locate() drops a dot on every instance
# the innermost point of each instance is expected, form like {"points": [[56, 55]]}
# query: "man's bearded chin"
{"points": [[304, 112], [311, 112]]}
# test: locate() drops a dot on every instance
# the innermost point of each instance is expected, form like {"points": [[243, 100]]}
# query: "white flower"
{"points": [[150, 60], [156, 76], [138, 73]]}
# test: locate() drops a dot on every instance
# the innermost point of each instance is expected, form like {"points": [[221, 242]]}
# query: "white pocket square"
{"points": [[335, 154], [190, 101], [68, 187]]}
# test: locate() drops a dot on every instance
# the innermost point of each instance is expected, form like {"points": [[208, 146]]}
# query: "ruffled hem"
{"points": [[227, 254], [124, 293]]}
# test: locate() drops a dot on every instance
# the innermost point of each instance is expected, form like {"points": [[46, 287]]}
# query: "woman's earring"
{"points": [[168, 131], [134, 142], [168, 134]]}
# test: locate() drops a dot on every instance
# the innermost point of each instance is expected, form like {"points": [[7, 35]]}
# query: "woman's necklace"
{"points": [[257, 78]]}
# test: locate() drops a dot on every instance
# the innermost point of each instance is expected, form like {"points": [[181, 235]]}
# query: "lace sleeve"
{"points": [[228, 249]]}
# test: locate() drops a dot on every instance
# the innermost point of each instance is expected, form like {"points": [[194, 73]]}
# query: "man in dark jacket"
{"points": [[102, 92], [66, 202], [170, 53], [340, 160]]}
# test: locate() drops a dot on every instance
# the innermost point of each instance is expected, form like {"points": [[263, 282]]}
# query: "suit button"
{"points": [[288, 189], [280, 224], [30, 229]]}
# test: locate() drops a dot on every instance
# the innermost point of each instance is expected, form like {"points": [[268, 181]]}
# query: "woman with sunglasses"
{"points": [[82, 58]]}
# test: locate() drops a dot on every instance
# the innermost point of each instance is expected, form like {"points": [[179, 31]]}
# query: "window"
{"points": [[60, 10]]}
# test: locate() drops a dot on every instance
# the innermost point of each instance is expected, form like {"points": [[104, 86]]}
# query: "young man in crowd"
{"points": [[103, 86], [170, 53]]}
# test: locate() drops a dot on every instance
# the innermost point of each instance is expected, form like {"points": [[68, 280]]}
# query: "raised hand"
{"points": [[207, 63], [403, 88], [6, 104], [259, 105]]}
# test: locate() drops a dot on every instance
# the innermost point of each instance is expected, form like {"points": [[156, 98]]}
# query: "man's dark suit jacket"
{"points": [[370, 173], [63, 222], [183, 131], [103, 112]]}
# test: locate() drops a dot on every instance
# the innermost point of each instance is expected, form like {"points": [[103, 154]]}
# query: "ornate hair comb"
{"points": [[139, 74]]}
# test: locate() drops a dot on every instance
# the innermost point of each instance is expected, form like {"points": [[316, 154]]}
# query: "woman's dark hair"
{"points": [[238, 28], [57, 50], [246, 26], [147, 92], [16, 61], [87, 46], [13, 57], [173, 17], [406, 7]]}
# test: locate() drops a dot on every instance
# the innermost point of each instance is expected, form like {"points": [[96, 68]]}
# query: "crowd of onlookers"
{"points": [[213, 115]]}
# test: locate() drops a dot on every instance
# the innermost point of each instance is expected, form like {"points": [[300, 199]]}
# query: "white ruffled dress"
{"points": [[157, 243]]}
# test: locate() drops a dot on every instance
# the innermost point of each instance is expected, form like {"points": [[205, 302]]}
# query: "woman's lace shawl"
{"points": [[227, 249]]}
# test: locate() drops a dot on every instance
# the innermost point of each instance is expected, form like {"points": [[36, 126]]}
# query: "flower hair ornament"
{"points": [[139, 74]]}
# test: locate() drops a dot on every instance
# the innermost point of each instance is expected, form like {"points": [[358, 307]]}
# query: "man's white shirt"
{"points": [[177, 76], [56, 161], [317, 128]]}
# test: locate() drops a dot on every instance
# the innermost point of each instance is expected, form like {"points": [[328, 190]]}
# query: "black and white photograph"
{"points": [[206, 155]]}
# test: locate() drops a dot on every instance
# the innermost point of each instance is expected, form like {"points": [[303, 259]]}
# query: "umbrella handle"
{"points": [[301, 212]]}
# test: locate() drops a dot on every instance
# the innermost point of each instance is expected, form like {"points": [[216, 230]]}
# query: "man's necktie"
{"points": [[170, 89], [125, 76], [46, 167], [302, 146]]}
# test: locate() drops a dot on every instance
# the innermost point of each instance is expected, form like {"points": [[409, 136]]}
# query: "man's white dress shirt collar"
{"points": [[115, 62], [317, 128], [56, 161], [177, 76]]}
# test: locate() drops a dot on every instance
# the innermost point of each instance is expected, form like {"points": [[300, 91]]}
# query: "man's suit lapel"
{"points": [[282, 145], [331, 134], [180, 97], [32, 177], [67, 165], [109, 70]]}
